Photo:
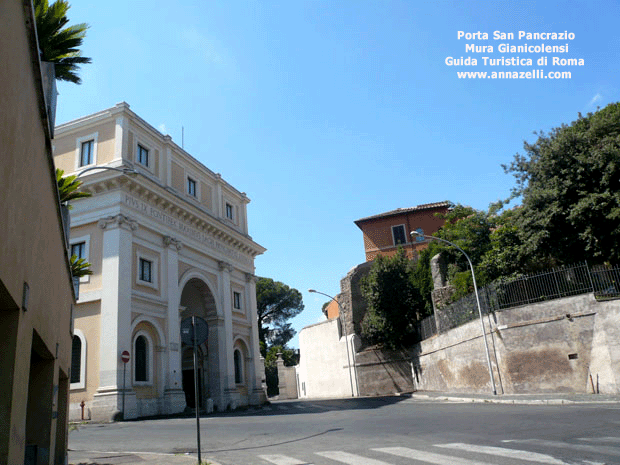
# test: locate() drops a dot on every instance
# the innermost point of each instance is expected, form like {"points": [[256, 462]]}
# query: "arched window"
{"points": [[238, 367], [78, 360], [76, 355], [141, 373]]}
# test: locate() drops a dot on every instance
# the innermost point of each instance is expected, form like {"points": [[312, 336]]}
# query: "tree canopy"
{"points": [[59, 44], [394, 302], [569, 181], [276, 303]]}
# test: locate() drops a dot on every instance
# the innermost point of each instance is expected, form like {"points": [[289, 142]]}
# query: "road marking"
{"points": [[351, 459], [428, 457], [565, 445], [282, 460], [608, 439], [503, 452]]}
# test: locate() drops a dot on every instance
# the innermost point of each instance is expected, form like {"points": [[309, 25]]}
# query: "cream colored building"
{"points": [[166, 243]]}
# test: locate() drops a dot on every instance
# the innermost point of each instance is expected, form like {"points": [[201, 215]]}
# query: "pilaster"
{"points": [[174, 397], [115, 316], [256, 393], [225, 343]]}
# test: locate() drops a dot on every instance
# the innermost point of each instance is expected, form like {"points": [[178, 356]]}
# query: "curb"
{"points": [[490, 400]]}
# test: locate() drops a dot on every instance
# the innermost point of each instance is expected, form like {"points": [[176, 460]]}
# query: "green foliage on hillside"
{"points": [[394, 302]]}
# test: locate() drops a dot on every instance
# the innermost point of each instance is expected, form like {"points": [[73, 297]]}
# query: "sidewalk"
{"points": [[520, 399], [128, 458]]}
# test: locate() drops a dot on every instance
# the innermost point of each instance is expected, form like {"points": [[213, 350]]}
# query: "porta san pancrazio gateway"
{"points": [[167, 239]]}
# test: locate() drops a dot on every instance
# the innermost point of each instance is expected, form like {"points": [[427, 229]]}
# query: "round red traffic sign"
{"points": [[125, 356]]}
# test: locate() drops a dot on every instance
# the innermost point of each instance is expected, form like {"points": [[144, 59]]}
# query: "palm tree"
{"points": [[57, 45], [68, 188]]}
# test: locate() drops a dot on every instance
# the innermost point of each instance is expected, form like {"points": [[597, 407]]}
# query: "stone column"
{"points": [[174, 396], [225, 340], [115, 318], [256, 394]]}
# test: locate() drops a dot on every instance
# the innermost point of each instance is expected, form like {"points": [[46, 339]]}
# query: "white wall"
{"points": [[323, 367]]}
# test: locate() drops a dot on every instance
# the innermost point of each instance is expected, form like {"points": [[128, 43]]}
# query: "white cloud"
{"points": [[162, 128], [596, 100]]}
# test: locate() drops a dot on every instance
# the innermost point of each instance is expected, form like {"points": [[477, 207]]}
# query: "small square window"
{"points": [[86, 153], [229, 211], [237, 300], [143, 155], [191, 187], [79, 249], [398, 232], [146, 270]]}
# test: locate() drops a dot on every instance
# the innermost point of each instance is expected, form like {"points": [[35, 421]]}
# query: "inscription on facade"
{"points": [[195, 234]]}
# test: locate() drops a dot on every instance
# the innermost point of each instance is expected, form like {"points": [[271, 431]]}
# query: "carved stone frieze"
{"points": [[225, 266], [172, 242], [118, 221]]}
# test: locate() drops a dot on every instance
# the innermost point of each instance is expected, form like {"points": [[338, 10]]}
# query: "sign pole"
{"points": [[124, 384], [196, 394], [125, 359]]}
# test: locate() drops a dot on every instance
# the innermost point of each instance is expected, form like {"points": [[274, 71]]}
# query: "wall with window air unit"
{"points": [[35, 280], [385, 231]]}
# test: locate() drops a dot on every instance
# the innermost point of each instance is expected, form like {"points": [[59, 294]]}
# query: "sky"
{"points": [[325, 112]]}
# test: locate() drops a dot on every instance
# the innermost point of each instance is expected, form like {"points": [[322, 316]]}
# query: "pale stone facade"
{"points": [[164, 244]]}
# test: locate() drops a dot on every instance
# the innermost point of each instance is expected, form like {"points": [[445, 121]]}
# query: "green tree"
{"points": [[59, 43], [289, 357], [569, 181], [394, 302], [68, 188], [276, 303]]}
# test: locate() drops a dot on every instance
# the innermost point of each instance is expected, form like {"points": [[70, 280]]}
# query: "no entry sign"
{"points": [[125, 356]]}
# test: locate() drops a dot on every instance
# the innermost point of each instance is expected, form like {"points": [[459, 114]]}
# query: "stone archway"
{"points": [[197, 299]]}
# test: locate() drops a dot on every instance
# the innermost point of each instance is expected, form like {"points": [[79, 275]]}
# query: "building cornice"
{"points": [[151, 192]]}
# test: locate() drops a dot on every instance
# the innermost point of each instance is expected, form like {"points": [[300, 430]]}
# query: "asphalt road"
{"points": [[377, 431]]}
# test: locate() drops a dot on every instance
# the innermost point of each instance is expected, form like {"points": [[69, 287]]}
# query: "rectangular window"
{"points": [[191, 187], [229, 211], [237, 300], [398, 232], [143, 155], [145, 270], [86, 153], [78, 249]]}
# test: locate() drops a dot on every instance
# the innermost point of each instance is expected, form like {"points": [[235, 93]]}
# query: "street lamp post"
{"points": [[417, 233], [111, 168], [346, 339]]}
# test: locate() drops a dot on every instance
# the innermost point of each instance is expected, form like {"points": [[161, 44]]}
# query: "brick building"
{"points": [[383, 233]]}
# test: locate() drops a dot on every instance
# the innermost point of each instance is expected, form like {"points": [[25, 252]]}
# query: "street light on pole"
{"points": [[419, 233], [124, 170], [344, 325]]}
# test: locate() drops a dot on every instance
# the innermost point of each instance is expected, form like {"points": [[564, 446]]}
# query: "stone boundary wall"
{"points": [[382, 372], [565, 345]]}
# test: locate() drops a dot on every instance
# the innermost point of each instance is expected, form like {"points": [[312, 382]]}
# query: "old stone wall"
{"points": [[353, 304], [382, 372], [563, 345]]}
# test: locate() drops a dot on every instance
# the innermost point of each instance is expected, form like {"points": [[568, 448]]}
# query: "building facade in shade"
{"points": [[36, 290], [385, 232], [166, 242]]}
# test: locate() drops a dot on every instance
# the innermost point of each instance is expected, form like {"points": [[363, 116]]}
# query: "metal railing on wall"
{"points": [[603, 281]]}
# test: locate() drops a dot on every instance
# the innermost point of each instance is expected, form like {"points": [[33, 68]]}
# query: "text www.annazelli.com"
{"points": [[532, 74]]}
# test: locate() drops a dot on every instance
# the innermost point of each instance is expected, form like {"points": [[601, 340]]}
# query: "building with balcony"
{"points": [[165, 243]]}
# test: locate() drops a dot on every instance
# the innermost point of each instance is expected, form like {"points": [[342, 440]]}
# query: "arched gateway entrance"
{"points": [[197, 299]]}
